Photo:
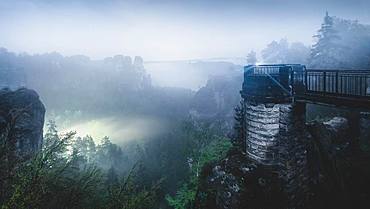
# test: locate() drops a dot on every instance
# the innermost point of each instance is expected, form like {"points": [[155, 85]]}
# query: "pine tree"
{"points": [[111, 177], [51, 135], [240, 127], [325, 53]]}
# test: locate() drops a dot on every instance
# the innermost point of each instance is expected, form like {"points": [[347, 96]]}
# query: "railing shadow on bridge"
{"points": [[336, 87]]}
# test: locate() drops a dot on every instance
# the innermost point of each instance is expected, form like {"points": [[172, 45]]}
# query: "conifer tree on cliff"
{"points": [[326, 52], [239, 127]]}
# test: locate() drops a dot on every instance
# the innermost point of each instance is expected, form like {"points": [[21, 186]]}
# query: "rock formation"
{"points": [[334, 176], [215, 102], [22, 120], [239, 183]]}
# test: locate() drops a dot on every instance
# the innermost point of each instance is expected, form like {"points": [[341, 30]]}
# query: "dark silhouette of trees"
{"points": [[283, 52], [341, 44], [240, 127]]}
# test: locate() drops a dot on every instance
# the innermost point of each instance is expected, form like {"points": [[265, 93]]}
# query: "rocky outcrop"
{"points": [[335, 175], [22, 120], [239, 183], [339, 168], [215, 102], [365, 132]]}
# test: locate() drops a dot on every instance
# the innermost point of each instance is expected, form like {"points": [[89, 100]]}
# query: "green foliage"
{"points": [[86, 147], [120, 194], [8, 155], [60, 177], [52, 180], [109, 154], [184, 197], [213, 151], [74, 172], [216, 150]]}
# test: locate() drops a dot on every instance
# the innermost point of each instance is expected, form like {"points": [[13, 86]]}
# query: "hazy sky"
{"points": [[164, 29]]}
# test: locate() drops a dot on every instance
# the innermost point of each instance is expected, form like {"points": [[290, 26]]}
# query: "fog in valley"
{"points": [[154, 86]]}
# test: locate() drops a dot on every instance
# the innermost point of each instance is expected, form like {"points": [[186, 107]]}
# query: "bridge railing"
{"points": [[338, 82], [289, 77], [263, 70], [295, 79], [267, 82]]}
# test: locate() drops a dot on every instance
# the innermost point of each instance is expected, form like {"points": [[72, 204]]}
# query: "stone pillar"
{"points": [[262, 127], [277, 136], [273, 131]]}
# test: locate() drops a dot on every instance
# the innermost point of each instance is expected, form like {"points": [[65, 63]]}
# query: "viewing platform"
{"points": [[275, 98], [294, 82]]}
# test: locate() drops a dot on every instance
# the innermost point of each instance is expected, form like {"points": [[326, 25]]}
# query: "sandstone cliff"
{"points": [[22, 120], [336, 177]]}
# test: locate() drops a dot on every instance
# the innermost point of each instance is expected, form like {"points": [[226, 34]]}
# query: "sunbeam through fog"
{"points": [[119, 130]]}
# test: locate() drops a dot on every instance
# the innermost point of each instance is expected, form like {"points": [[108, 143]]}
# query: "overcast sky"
{"points": [[164, 29]]}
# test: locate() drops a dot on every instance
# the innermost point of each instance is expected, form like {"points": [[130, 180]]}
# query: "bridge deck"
{"points": [[349, 88]]}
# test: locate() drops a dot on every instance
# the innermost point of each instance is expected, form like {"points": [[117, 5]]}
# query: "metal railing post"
{"points": [[324, 78], [366, 83], [305, 81], [336, 82], [292, 79]]}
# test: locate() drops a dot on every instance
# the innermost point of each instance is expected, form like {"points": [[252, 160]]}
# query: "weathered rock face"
{"points": [[365, 132], [22, 120], [334, 176], [340, 169], [239, 183]]}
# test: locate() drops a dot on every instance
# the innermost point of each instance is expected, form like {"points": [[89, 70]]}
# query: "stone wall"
{"points": [[262, 127], [277, 137]]}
